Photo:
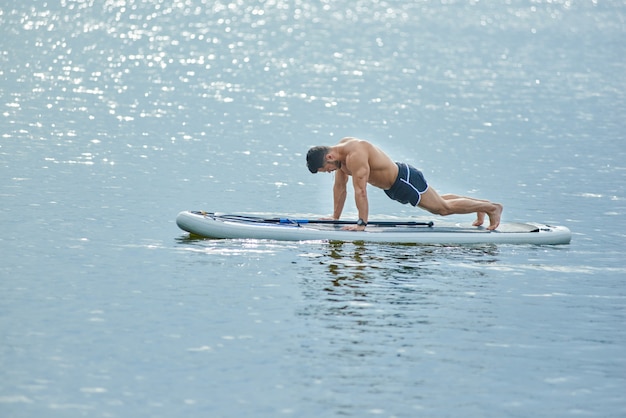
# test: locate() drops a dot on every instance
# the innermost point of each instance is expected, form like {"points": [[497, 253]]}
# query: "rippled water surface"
{"points": [[116, 115]]}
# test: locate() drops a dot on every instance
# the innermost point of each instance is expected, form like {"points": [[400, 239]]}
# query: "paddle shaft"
{"points": [[318, 221], [338, 222]]}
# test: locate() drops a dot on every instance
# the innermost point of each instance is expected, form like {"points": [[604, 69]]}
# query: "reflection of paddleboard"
{"points": [[215, 225]]}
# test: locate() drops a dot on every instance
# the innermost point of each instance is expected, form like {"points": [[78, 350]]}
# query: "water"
{"points": [[117, 115]]}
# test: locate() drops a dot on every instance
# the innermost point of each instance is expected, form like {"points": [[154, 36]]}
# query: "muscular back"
{"points": [[354, 153]]}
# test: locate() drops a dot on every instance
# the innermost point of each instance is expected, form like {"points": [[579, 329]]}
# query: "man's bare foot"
{"points": [[480, 218], [494, 217]]}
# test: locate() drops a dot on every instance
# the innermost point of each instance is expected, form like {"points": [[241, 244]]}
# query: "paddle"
{"points": [[337, 222], [322, 221]]}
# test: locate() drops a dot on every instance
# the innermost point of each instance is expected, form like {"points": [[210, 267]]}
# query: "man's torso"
{"points": [[382, 170]]}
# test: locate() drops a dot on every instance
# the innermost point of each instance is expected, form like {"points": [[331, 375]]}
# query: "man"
{"points": [[402, 182]]}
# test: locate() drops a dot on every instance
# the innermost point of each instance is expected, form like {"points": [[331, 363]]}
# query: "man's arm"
{"points": [[358, 165], [339, 193]]}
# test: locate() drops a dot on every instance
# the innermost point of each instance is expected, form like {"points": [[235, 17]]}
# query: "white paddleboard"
{"points": [[217, 225]]}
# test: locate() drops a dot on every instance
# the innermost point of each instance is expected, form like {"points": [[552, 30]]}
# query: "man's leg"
{"points": [[452, 204], [480, 216]]}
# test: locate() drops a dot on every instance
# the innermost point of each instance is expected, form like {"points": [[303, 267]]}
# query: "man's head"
{"points": [[316, 158]]}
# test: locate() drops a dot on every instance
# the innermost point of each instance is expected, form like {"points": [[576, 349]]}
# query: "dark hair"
{"points": [[315, 158]]}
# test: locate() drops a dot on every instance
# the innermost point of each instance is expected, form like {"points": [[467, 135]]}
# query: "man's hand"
{"points": [[354, 228]]}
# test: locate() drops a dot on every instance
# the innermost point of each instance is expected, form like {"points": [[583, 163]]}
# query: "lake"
{"points": [[117, 115]]}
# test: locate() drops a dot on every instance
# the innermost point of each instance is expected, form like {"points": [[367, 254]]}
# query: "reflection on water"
{"points": [[357, 261], [224, 247], [370, 306], [377, 286]]}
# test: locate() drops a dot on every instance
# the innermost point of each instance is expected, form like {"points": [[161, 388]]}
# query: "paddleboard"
{"points": [[227, 226]]}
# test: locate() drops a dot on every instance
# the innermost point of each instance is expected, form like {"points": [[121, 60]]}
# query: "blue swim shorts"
{"points": [[409, 186]]}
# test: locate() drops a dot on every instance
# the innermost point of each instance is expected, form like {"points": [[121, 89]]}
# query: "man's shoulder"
{"points": [[348, 139], [354, 144]]}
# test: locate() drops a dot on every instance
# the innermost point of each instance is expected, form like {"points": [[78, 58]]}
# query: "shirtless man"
{"points": [[402, 182]]}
